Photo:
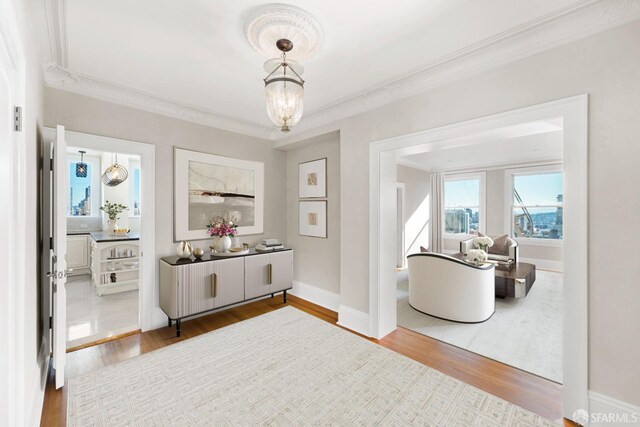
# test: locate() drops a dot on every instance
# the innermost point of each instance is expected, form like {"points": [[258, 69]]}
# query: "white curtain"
{"points": [[436, 243]]}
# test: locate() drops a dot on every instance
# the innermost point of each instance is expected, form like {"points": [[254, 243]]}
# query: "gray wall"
{"points": [[606, 66], [316, 261], [88, 115], [417, 207]]}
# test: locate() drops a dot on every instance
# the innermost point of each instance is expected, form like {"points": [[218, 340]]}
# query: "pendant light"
{"points": [[81, 168], [115, 174], [284, 89]]}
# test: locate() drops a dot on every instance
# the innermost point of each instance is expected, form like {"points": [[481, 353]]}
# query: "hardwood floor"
{"points": [[539, 395]]}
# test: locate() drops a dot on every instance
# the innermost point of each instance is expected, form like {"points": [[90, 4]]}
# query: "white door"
{"points": [[55, 189]]}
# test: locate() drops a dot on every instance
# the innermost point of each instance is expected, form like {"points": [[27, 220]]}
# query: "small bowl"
{"points": [[198, 253]]}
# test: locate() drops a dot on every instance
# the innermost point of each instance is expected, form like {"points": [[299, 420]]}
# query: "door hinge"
{"points": [[50, 322], [50, 242], [51, 165], [17, 119]]}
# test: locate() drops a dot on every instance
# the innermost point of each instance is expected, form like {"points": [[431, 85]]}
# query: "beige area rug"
{"points": [[523, 332], [282, 368]]}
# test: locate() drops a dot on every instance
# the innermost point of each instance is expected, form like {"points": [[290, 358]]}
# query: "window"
{"points": [[464, 204], [134, 189], [537, 204]]}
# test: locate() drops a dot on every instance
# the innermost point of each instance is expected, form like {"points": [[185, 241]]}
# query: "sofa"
{"points": [[511, 253], [445, 287]]}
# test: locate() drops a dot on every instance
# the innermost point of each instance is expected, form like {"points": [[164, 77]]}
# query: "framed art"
{"points": [[312, 218], [312, 179], [206, 186]]}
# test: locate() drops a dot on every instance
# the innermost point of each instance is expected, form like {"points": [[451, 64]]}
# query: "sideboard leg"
{"points": [[284, 296], [170, 323], [271, 295], [178, 327]]}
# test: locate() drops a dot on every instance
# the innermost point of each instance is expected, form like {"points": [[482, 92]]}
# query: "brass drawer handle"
{"points": [[214, 285], [269, 274]]}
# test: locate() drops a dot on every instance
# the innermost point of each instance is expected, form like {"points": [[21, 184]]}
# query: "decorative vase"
{"points": [[112, 226], [235, 242], [198, 252], [484, 248], [223, 244], [184, 249]]}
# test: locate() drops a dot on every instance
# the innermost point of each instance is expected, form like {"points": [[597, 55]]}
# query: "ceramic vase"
{"points": [[112, 226], [184, 249], [484, 248], [223, 244]]}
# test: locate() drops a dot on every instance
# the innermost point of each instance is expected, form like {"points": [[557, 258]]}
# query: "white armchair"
{"points": [[465, 245], [450, 289]]}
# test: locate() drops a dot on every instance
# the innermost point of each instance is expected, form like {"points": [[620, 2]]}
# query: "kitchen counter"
{"points": [[103, 236]]}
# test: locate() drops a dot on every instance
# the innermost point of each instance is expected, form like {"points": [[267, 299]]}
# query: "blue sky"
{"points": [[534, 190]]}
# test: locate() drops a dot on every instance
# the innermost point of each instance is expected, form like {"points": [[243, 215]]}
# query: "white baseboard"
{"points": [[316, 295], [543, 264], [607, 411], [353, 319]]}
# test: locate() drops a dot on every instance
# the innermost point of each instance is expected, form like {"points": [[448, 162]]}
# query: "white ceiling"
{"points": [[194, 53], [514, 146]]}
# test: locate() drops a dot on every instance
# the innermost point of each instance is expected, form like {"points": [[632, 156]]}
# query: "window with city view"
{"points": [[462, 201], [79, 192], [134, 191], [537, 205]]}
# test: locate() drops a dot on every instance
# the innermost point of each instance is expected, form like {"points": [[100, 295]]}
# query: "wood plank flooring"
{"points": [[536, 394]]}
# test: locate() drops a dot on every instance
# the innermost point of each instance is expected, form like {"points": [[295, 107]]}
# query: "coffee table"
{"points": [[515, 282]]}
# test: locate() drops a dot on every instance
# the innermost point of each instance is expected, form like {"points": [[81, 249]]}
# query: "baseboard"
{"points": [[607, 411], [316, 295], [543, 264], [353, 319]]}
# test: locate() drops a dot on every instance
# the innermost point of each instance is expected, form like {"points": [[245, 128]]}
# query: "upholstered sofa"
{"points": [[512, 247], [445, 287]]}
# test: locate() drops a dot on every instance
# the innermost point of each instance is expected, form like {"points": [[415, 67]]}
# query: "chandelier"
{"points": [[284, 88], [81, 167], [115, 174]]}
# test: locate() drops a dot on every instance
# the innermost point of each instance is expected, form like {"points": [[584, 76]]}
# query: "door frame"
{"points": [[382, 159], [148, 291], [401, 190], [12, 303]]}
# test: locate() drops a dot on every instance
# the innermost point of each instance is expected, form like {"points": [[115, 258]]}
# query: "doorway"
{"points": [[102, 289], [383, 157]]}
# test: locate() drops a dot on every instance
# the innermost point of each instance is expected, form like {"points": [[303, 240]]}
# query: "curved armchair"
{"points": [[444, 287]]}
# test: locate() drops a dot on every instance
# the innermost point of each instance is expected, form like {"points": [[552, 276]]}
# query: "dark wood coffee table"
{"points": [[516, 282]]}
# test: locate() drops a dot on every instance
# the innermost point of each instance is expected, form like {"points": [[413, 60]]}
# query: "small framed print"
{"points": [[312, 179], [312, 218]]}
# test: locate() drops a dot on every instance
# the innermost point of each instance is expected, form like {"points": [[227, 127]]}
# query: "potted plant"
{"points": [[113, 210], [476, 256], [483, 243], [222, 228]]}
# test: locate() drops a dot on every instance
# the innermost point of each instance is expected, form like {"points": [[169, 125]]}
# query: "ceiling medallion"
{"points": [[267, 24]]}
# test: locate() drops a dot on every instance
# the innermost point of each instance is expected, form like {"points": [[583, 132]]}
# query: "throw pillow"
{"points": [[500, 245]]}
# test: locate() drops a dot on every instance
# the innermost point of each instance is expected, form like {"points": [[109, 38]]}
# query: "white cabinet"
{"points": [[190, 287], [115, 265], [268, 273], [78, 252]]}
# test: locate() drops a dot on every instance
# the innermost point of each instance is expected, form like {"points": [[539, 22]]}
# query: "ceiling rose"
{"points": [[269, 23]]}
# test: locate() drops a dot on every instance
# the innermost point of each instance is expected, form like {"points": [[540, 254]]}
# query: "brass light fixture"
{"points": [[284, 89]]}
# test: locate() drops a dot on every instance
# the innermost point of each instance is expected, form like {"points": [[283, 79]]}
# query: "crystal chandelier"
{"points": [[284, 89]]}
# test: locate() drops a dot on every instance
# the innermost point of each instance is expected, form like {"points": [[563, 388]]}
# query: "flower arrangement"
{"points": [[477, 256], [221, 226], [483, 242], [113, 209]]}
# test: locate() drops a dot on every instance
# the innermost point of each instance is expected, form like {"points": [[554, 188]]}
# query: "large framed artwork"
{"points": [[312, 179], [312, 216], [206, 186]]}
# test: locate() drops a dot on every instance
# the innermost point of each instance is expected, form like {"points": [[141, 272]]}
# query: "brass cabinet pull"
{"points": [[269, 273], [214, 285]]}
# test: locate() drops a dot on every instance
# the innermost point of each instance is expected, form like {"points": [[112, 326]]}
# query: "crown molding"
{"points": [[577, 21], [580, 20], [60, 78]]}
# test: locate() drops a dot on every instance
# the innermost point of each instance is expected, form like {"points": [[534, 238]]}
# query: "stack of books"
{"points": [[269, 245]]}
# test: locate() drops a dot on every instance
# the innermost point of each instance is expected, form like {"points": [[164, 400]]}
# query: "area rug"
{"points": [[523, 332], [282, 368]]}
